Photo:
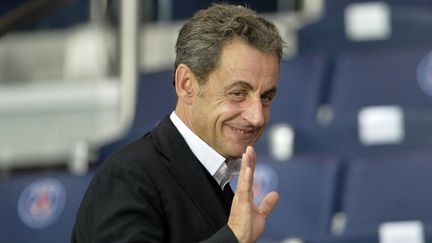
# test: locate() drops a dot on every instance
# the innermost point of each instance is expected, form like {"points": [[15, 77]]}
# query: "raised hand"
{"points": [[246, 220]]}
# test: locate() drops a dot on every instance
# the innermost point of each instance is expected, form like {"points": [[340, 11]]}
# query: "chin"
{"points": [[238, 152]]}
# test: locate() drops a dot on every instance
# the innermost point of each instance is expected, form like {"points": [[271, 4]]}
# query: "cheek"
{"points": [[266, 112], [225, 111], [234, 109]]}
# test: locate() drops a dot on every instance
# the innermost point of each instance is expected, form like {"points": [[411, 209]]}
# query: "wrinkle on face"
{"points": [[231, 109]]}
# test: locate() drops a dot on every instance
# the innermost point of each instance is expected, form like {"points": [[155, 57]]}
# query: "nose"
{"points": [[254, 113]]}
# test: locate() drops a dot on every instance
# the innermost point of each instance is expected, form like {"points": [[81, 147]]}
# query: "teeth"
{"points": [[240, 131]]}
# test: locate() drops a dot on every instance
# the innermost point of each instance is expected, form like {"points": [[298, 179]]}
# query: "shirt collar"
{"points": [[209, 158]]}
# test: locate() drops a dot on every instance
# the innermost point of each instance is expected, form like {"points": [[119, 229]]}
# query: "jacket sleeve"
{"points": [[225, 234]]}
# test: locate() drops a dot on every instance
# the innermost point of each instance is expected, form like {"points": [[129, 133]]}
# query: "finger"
{"points": [[244, 186], [268, 203], [250, 157], [244, 189], [250, 151]]}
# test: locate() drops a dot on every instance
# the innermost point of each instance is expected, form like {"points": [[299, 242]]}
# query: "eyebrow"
{"points": [[248, 86], [271, 90], [240, 83]]}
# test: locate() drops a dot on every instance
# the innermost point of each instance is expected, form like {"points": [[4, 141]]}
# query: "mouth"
{"points": [[244, 133]]}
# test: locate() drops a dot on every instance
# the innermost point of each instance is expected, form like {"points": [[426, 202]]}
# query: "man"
{"points": [[172, 185]]}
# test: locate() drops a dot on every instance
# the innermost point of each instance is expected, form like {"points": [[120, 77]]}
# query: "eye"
{"points": [[238, 94], [267, 98]]}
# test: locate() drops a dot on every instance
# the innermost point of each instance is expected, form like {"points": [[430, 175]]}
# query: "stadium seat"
{"points": [[307, 187], [40, 206], [371, 73], [381, 78], [410, 21], [301, 82], [387, 189]]}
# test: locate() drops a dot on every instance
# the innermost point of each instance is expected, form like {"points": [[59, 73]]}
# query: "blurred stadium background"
{"points": [[348, 145]]}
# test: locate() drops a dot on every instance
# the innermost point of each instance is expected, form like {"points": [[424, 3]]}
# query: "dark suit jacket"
{"points": [[153, 190]]}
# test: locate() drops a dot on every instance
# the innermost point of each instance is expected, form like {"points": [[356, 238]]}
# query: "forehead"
{"points": [[240, 61]]}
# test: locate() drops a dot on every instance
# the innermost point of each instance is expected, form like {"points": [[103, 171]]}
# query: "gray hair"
{"points": [[202, 38]]}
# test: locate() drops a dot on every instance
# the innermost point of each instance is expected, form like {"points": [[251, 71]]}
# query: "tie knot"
{"points": [[226, 172]]}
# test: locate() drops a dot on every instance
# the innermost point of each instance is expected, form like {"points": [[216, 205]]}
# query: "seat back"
{"points": [[386, 189], [307, 187], [389, 77], [40, 207]]}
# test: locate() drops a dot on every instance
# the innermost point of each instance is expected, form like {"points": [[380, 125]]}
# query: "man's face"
{"points": [[231, 109]]}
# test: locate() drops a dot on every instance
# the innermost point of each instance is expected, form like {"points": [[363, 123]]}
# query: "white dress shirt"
{"points": [[213, 161]]}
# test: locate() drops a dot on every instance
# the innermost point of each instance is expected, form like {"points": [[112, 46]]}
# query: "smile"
{"points": [[244, 132], [240, 131]]}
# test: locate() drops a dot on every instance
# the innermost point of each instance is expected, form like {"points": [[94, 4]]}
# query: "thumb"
{"points": [[268, 203]]}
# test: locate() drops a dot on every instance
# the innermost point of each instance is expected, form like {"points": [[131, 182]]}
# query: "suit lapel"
{"points": [[187, 171]]}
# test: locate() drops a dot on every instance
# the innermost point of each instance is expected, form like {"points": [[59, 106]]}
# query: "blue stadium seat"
{"points": [[410, 22], [373, 72], [381, 78], [40, 207], [300, 87], [54, 15], [155, 99], [186, 8], [307, 187], [387, 189]]}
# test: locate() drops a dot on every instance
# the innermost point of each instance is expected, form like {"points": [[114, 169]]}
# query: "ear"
{"points": [[184, 83]]}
